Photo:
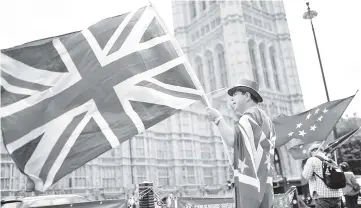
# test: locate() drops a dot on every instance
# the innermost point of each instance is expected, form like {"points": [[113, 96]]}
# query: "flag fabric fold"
{"points": [[312, 125], [300, 151], [253, 155], [331, 147], [66, 100]]}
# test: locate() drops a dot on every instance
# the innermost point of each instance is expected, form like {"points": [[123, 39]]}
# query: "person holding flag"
{"points": [[253, 138], [314, 172]]}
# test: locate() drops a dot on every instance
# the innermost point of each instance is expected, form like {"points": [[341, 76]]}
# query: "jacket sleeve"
{"points": [[308, 169], [354, 183]]}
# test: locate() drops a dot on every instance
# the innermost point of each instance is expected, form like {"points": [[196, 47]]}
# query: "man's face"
{"points": [[238, 101]]}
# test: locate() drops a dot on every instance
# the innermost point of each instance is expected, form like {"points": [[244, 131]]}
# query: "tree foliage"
{"points": [[351, 150]]}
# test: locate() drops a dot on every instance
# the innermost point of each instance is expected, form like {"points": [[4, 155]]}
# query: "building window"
{"points": [[208, 176], [199, 67], [218, 20], [204, 5], [274, 68], [141, 174], [273, 108], [253, 61], [162, 150], [193, 9], [226, 174], [206, 151], [212, 75], [248, 18], [201, 127], [186, 122], [213, 24], [222, 66], [188, 149], [189, 175], [139, 147], [264, 66], [263, 6], [163, 176], [254, 3], [207, 28]]}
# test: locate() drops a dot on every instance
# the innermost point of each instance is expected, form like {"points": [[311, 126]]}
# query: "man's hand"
{"points": [[213, 113], [226, 131]]}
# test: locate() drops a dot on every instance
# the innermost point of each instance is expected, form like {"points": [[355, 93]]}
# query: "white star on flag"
{"points": [[242, 165], [304, 151], [302, 133], [308, 116], [325, 110], [313, 128], [301, 146], [290, 134], [299, 125], [320, 118], [316, 112]]}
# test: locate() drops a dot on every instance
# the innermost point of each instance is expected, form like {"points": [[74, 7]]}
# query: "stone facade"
{"points": [[224, 40]]}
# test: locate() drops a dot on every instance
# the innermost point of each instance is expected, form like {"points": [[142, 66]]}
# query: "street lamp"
{"points": [[310, 14]]}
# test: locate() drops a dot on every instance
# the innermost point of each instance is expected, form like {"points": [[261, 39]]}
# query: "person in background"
{"points": [[324, 197], [352, 188]]}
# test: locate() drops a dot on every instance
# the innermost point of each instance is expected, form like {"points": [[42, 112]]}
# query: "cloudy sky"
{"points": [[336, 29]]}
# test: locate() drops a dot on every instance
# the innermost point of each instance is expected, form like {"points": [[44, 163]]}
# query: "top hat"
{"points": [[246, 85]]}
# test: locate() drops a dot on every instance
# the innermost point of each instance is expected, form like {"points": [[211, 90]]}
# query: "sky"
{"points": [[339, 37]]}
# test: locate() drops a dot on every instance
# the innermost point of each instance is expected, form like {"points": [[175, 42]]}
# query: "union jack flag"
{"points": [[253, 159], [66, 100]]}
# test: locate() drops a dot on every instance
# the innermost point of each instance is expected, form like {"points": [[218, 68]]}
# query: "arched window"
{"points": [[222, 66], [199, 70], [277, 163], [264, 65], [252, 55], [193, 9], [273, 109], [263, 5], [204, 5], [274, 68], [211, 74], [254, 3]]}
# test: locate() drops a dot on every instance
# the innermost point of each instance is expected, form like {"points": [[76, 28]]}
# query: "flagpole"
{"points": [[131, 159], [310, 14], [206, 100]]}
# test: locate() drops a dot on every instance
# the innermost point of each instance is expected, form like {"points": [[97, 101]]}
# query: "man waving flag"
{"points": [[66, 100], [253, 138]]}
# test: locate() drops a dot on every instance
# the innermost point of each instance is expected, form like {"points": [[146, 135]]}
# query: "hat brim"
{"points": [[246, 89]]}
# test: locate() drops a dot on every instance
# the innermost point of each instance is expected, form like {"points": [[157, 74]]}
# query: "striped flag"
{"points": [[66, 100], [253, 160]]}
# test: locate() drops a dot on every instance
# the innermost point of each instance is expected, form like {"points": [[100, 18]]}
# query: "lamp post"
{"points": [[310, 14]]}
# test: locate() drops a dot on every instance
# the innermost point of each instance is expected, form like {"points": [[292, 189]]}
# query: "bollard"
{"points": [[146, 195]]}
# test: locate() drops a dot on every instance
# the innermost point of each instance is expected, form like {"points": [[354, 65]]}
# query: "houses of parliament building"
{"points": [[224, 41]]}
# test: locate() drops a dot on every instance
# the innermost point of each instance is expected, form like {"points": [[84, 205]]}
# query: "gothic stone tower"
{"points": [[227, 40]]}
